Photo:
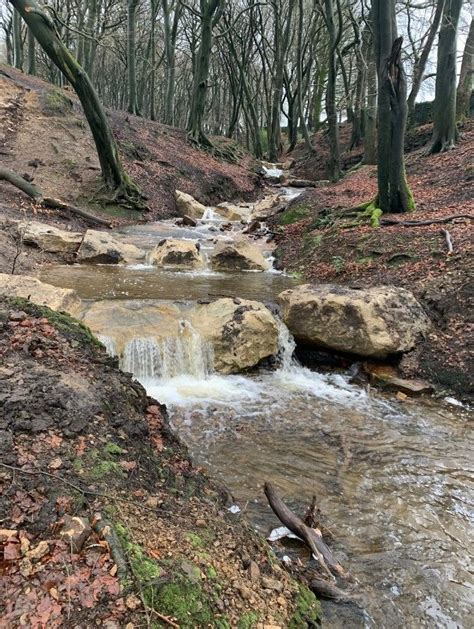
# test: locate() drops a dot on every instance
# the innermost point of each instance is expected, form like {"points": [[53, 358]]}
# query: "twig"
{"points": [[449, 242], [446, 219]]}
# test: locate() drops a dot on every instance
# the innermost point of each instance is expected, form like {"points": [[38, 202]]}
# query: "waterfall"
{"points": [[108, 343], [186, 354], [287, 345]]}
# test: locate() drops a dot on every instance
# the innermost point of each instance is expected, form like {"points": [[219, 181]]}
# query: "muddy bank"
{"points": [[45, 136], [83, 447]]}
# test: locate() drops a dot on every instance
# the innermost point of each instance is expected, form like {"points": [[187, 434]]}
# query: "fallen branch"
{"points": [[325, 589], [105, 530], [446, 219], [449, 242], [311, 537], [36, 194]]}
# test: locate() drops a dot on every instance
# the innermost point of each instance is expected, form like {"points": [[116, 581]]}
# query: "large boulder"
{"points": [[234, 335], [60, 299], [373, 322], [238, 256], [49, 238], [188, 206], [105, 248], [232, 212], [182, 254], [266, 207], [241, 332]]}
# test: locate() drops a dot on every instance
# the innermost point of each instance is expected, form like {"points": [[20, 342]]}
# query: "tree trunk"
{"points": [[464, 91], [89, 46], [131, 56], [304, 126], [17, 41], [394, 194], [113, 173], [419, 67], [444, 115], [209, 18], [370, 140], [334, 163], [31, 53]]}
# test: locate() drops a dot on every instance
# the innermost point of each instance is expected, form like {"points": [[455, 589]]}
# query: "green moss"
{"points": [[338, 263], [184, 601], [143, 567], [63, 322], [307, 610], [294, 214], [195, 540], [106, 468], [113, 448], [55, 103], [248, 620], [211, 572]]}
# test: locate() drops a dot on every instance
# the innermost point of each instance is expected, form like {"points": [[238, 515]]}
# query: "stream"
{"points": [[393, 478]]}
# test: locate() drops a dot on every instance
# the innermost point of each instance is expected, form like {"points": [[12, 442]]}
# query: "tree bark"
{"points": [[31, 53], [464, 91], [117, 181], [394, 194], [131, 56], [334, 163], [444, 115], [17, 41], [370, 140]]}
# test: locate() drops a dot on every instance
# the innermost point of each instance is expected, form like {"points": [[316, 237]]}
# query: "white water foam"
{"points": [[108, 343]]}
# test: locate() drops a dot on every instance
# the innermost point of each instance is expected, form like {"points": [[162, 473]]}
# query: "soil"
{"points": [[319, 244], [81, 439]]}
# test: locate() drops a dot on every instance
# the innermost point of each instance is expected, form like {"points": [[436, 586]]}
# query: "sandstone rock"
{"points": [[105, 248], [232, 212], [60, 299], [373, 322], [188, 221], [387, 377], [238, 256], [254, 571], [272, 584], [266, 207], [182, 254], [49, 238], [188, 206], [242, 334]]}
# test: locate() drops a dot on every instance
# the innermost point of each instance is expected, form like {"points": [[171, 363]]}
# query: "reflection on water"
{"points": [[394, 479], [147, 282]]}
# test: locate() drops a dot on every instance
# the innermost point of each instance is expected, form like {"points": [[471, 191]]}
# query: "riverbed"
{"points": [[393, 478]]}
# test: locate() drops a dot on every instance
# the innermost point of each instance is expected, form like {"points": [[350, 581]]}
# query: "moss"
{"points": [[211, 572], [184, 601], [106, 468], [195, 540], [113, 448], [143, 567], [248, 620], [55, 103], [294, 214], [63, 322], [307, 609]]}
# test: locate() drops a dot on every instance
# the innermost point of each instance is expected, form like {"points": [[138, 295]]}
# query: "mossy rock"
{"points": [[248, 620], [294, 214], [54, 102], [184, 601]]}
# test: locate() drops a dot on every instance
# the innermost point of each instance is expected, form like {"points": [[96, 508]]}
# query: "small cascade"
{"points": [[186, 354], [108, 343], [287, 346]]}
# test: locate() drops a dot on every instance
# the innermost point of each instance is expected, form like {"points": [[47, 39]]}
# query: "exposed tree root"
{"points": [[105, 530], [433, 221], [204, 143]]}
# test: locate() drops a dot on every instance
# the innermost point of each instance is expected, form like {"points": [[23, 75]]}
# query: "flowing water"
{"points": [[393, 478]]}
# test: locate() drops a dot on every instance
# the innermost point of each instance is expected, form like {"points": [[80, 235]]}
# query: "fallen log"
{"points": [[434, 221], [36, 194], [326, 589], [311, 537]]}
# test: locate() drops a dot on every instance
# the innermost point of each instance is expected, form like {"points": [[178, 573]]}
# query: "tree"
{"points": [[17, 41], [444, 115], [211, 12], [394, 194], [464, 91], [334, 166], [131, 55], [116, 179]]}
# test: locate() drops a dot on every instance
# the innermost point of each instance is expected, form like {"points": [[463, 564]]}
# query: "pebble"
{"points": [[254, 571], [272, 584]]}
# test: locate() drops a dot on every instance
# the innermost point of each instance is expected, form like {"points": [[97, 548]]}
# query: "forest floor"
{"points": [[323, 249], [83, 449]]}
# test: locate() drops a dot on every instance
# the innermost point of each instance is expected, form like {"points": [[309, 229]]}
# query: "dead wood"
{"points": [[446, 219], [326, 589], [36, 194], [105, 530], [311, 537]]}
